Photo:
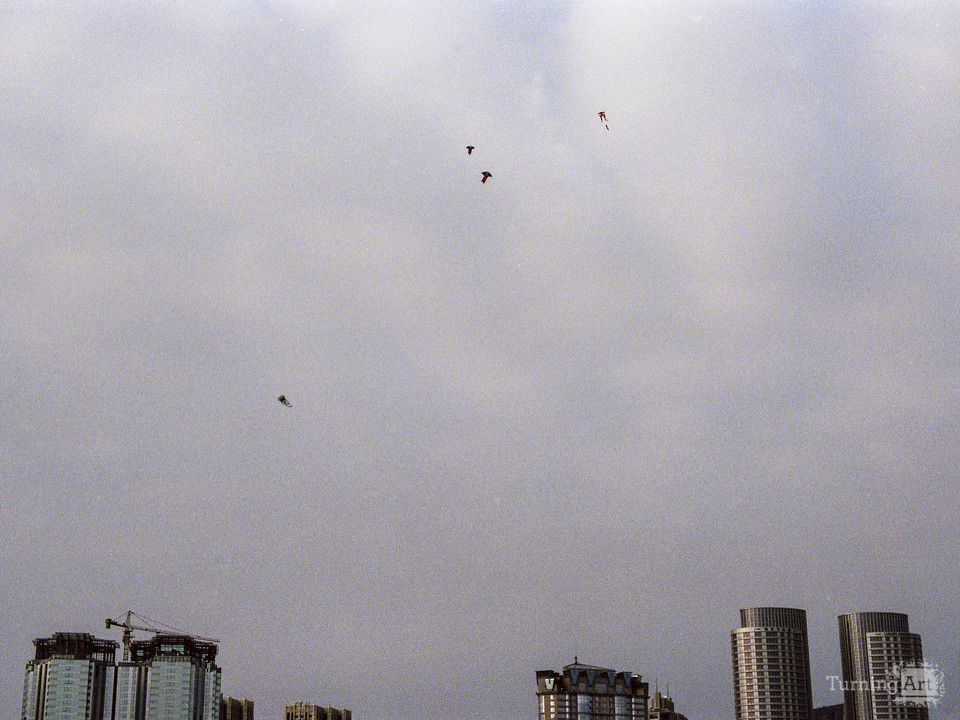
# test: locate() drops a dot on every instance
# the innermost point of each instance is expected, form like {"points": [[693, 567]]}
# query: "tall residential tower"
{"points": [[771, 665], [873, 648], [70, 678], [169, 677]]}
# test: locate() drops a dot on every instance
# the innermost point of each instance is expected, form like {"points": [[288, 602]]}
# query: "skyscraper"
{"points": [[588, 692], [771, 665], [70, 678], [873, 646], [169, 677]]}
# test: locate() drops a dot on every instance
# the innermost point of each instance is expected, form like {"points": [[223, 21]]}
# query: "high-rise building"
{"points": [[169, 677], [233, 709], [873, 648], [771, 665], [70, 678], [307, 711], [588, 692]]}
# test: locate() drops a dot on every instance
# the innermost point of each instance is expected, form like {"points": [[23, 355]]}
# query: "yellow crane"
{"points": [[128, 629]]}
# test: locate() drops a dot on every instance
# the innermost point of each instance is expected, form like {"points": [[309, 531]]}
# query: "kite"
{"points": [[283, 400], [603, 119], [469, 149], [485, 176]]}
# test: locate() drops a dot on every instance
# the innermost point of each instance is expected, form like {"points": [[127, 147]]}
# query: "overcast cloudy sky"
{"points": [[641, 378]]}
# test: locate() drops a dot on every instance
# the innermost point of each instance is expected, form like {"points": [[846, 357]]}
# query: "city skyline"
{"points": [[696, 354], [771, 676]]}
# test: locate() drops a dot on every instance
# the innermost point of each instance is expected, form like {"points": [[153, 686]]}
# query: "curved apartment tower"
{"points": [[771, 665], [873, 648]]}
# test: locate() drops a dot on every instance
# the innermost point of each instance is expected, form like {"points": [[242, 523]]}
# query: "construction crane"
{"points": [[128, 629]]}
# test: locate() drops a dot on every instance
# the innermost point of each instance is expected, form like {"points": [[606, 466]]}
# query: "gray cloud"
{"points": [[641, 379]]}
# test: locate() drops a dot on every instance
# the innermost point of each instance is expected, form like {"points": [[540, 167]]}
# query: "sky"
{"points": [[642, 378]]}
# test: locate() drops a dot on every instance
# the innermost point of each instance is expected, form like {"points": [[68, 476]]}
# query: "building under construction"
{"points": [[75, 676], [71, 677], [168, 676]]}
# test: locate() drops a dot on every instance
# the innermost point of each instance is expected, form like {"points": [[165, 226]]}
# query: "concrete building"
{"points": [[589, 692], [70, 678], [771, 665], [307, 711], [169, 677], [828, 712], [661, 708], [233, 709], [873, 648]]}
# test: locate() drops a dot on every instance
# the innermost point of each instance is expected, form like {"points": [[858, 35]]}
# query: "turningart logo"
{"points": [[917, 684], [920, 685]]}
